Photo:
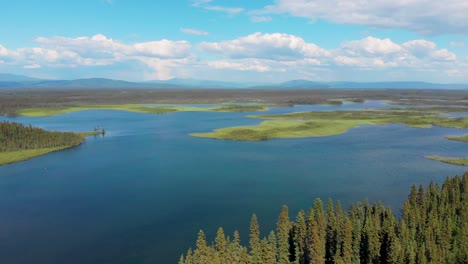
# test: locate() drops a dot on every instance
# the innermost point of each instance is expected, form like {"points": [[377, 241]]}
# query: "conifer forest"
{"points": [[432, 228]]}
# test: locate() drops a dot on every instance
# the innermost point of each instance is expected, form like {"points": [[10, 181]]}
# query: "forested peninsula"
{"points": [[433, 228], [19, 142]]}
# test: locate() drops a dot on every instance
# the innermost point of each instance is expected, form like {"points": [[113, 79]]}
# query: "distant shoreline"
{"points": [[14, 100]]}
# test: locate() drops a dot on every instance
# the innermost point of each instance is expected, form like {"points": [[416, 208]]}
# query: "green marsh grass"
{"points": [[327, 123], [463, 138], [43, 112], [454, 161]]}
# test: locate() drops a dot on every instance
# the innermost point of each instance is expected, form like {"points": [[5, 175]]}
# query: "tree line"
{"points": [[15, 137], [433, 228]]}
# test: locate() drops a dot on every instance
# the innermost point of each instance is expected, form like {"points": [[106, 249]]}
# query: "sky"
{"points": [[260, 41]]}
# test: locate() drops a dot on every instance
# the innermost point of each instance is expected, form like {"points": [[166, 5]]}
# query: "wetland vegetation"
{"points": [[13, 101], [327, 123], [463, 138], [454, 161], [147, 109]]}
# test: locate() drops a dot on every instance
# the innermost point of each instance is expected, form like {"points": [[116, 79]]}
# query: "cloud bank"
{"points": [[276, 56]]}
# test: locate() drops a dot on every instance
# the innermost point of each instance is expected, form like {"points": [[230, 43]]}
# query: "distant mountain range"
{"points": [[19, 81], [366, 85]]}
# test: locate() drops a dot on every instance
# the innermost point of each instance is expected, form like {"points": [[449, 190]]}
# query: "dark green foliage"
{"points": [[334, 102], [433, 229], [255, 249], [282, 230], [15, 137]]}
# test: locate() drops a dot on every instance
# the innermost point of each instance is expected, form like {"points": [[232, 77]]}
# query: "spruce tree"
{"points": [[189, 258], [254, 240], [220, 243], [316, 242], [200, 255], [282, 228], [331, 233], [273, 247], [300, 238]]}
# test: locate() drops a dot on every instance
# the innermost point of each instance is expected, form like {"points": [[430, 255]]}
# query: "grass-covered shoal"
{"points": [[147, 109], [455, 161], [21, 155], [327, 123], [463, 138]]}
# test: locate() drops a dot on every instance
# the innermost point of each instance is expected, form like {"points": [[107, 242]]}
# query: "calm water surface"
{"points": [[141, 193]]}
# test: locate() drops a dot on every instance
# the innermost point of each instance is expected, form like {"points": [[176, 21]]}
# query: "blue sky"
{"points": [[237, 40]]}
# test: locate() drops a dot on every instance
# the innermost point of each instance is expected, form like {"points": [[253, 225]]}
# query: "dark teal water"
{"points": [[141, 193]]}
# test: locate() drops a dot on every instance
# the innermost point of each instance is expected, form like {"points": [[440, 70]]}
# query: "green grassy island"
{"points": [[432, 228], [137, 108], [19, 142], [463, 138], [454, 161], [327, 123]]}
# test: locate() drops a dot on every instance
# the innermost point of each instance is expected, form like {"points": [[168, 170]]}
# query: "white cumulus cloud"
{"points": [[163, 48], [444, 55], [240, 65], [3, 51], [267, 46], [98, 50], [419, 47], [371, 46]]}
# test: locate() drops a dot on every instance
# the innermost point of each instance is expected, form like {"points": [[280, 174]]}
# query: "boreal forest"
{"points": [[431, 228]]}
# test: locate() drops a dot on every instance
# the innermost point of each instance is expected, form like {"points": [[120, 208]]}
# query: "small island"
{"points": [[463, 138], [454, 161], [19, 142]]}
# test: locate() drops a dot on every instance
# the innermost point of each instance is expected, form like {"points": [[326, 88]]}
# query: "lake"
{"points": [[141, 193]]}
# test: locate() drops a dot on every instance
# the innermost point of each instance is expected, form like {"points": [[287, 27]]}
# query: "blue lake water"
{"points": [[141, 193]]}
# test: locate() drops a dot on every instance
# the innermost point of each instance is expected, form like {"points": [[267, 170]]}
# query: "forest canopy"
{"points": [[19, 142], [433, 228], [15, 136]]}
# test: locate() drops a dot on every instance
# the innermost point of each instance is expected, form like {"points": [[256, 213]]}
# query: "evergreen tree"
{"points": [[282, 228], [273, 247], [189, 258], [236, 249], [254, 240], [200, 254], [331, 234], [220, 243], [300, 238]]}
